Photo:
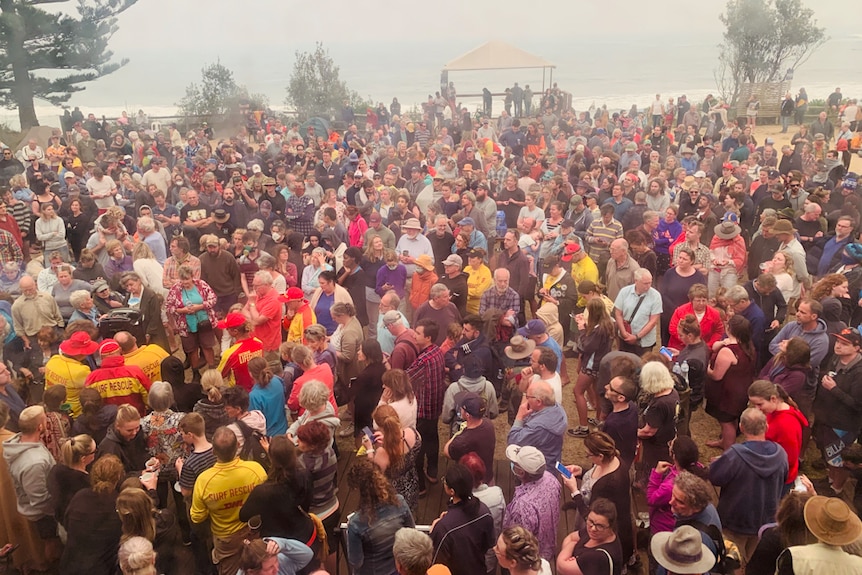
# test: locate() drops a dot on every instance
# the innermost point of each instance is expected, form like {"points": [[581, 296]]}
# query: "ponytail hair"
{"points": [[388, 422], [460, 480], [259, 369], [765, 389], [76, 448]]}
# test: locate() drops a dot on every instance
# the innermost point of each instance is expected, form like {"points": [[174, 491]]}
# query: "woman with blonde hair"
{"points": [[211, 407], [137, 557], [398, 393], [659, 417], [781, 267], [139, 518], [70, 474], [92, 526], [148, 268]]}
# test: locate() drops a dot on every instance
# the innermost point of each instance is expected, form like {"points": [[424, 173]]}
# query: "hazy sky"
{"points": [[169, 41]]}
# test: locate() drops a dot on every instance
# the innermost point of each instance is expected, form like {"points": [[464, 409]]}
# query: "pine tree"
{"points": [[49, 55]]}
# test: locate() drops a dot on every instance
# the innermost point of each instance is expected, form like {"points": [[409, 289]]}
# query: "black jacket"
{"points": [[132, 453]]}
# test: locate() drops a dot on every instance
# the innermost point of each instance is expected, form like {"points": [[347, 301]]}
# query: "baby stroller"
{"points": [[123, 319]]}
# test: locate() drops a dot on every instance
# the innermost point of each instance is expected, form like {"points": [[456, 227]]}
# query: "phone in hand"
{"points": [[368, 433], [563, 471]]}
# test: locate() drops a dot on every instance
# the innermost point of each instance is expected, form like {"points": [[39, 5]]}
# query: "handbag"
{"points": [[627, 323]]}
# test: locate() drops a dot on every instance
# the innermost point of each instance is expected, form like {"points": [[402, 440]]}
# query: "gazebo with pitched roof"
{"points": [[497, 55]]}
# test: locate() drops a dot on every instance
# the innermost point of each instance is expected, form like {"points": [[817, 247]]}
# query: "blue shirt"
{"points": [[322, 311], [552, 344], [270, 402]]}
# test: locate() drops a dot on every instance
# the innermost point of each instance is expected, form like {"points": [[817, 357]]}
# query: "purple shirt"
{"points": [[536, 506], [396, 278]]}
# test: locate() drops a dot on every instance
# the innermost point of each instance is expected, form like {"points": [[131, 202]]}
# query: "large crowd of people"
{"points": [[196, 330]]}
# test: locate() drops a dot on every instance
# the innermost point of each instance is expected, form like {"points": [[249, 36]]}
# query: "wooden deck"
{"points": [[435, 502]]}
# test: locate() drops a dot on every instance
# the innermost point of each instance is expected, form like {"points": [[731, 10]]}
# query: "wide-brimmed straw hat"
{"points": [[832, 521]]}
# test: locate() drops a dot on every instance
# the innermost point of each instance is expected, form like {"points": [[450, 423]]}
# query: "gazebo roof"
{"points": [[496, 55]]}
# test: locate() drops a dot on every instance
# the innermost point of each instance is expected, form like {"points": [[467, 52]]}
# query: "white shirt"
{"points": [[556, 384]]}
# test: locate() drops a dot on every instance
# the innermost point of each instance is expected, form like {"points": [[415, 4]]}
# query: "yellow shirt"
{"points": [[478, 281], [65, 371], [585, 269], [220, 492], [149, 358]]}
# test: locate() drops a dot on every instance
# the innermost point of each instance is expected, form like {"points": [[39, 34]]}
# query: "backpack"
{"points": [[252, 450], [725, 563], [458, 421]]}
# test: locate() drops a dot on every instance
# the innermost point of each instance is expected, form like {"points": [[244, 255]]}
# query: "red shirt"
{"points": [[269, 332], [322, 373]]}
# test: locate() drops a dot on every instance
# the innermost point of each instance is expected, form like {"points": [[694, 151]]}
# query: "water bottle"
{"points": [[684, 369], [677, 369]]}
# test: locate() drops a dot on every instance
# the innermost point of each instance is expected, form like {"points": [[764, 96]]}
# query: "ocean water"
{"points": [[600, 71]]}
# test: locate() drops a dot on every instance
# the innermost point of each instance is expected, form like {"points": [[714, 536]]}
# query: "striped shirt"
{"points": [[599, 230], [22, 214], [195, 464]]}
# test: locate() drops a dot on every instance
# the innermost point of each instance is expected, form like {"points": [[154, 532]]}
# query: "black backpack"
{"points": [[252, 450], [724, 563]]}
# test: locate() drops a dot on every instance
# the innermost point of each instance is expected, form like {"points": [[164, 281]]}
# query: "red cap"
{"points": [[293, 294], [109, 346], [232, 320], [727, 166], [570, 251]]}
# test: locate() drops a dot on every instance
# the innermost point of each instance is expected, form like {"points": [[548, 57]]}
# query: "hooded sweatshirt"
{"points": [[29, 464], [749, 472], [544, 430], [817, 339], [478, 385], [785, 429], [132, 453]]}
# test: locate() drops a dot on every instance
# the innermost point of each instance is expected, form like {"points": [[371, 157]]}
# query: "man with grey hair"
{"points": [[388, 302], [439, 310], [148, 234], [740, 303], [751, 476], [540, 422], [405, 351], [621, 268], [501, 296], [264, 311], [413, 552], [637, 309]]}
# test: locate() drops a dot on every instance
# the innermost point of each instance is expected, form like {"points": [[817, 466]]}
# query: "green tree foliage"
{"points": [[218, 95], [48, 55], [762, 40], [315, 88]]}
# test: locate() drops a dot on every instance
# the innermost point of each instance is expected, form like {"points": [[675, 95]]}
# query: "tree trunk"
{"points": [[23, 86]]}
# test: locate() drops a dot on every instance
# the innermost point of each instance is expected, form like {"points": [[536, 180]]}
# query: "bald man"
{"points": [[540, 422]]}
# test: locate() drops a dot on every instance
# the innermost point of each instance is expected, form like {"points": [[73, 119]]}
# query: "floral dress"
{"points": [[161, 431], [405, 479]]}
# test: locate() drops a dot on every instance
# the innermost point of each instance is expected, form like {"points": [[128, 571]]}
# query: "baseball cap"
{"points": [[391, 316], [292, 294], [375, 217], [534, 327], [700, 174], [255, 169], [773, 174], [467, 222], [232, 320], [470, 402], [727, 166], [850, 335], [453, 260], [570, 251], [528, 458]]}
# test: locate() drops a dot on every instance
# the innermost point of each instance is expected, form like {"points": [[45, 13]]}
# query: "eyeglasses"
{"points": [[530, 397], [597, 526]]}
